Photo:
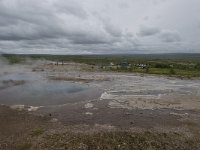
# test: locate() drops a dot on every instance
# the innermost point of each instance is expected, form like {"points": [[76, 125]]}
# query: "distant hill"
{"points": [[116, 56]]}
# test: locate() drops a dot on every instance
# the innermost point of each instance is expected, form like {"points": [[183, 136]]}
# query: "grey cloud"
{"points": [[71, 26], [146, 18], [5, 21], [148, 31], [27, 21], [157, 2], [41, 21], [114, 31], [70, 7], [35, 20], [170, 36], [27, 31], [88, 39], [123, 5]]}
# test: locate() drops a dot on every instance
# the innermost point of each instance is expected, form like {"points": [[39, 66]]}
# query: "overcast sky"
{"points": [[99, 26]]}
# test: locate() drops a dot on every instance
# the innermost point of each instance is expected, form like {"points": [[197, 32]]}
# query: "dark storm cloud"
{"points": [[148, 31], [170, 36]]}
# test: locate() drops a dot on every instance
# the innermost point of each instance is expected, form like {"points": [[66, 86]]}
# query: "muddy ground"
{"points": [[152, 111]]}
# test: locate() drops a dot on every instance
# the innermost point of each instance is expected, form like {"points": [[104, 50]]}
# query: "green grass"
{"points": [[37, 132], [159, 71], [26, 146], [15, 59]]}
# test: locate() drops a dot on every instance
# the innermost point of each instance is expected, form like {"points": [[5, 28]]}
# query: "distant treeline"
{"points": [[179, 64]]}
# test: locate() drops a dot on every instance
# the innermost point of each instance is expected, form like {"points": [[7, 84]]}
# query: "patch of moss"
{"points": [[26, 146], [37, 132]]}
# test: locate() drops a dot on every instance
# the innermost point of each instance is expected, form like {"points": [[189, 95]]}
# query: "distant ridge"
{"points": [[149, 56]]}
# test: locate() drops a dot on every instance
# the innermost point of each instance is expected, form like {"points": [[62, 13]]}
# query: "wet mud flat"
{"points": [[71, 102]]}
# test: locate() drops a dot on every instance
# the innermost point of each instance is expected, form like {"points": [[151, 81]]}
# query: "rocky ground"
{"points": [[23, 131]]}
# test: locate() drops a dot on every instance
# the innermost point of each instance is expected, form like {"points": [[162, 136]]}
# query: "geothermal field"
{"points": [[50, 105]]}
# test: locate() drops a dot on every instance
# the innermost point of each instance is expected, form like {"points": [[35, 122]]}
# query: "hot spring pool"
{"points": [[43, 92]]}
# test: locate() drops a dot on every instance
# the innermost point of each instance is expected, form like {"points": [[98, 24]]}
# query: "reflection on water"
{"points": [[20, 76], [39, 92]]}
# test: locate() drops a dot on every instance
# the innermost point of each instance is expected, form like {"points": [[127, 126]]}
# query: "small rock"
{"points": [[89, 113], [54, 120], [89, 105]]}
